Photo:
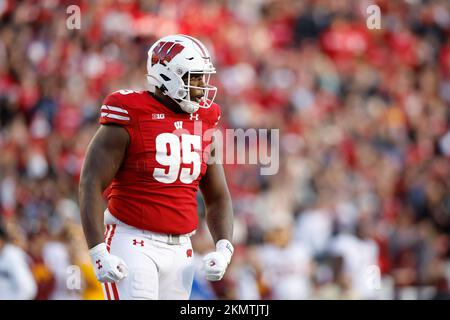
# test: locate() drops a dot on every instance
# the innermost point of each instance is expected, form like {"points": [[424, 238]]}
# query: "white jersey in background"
{"points": [[360, 257], [56, 257], [287, 271], [16, 280]]}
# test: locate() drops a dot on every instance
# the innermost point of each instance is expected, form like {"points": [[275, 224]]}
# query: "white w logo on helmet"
{"points": [[165, 52]]}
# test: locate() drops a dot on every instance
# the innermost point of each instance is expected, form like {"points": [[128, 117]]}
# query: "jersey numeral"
{"points": [[170, 153]]}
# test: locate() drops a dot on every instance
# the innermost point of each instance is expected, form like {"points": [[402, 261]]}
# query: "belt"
{"points": [[172, 239]]}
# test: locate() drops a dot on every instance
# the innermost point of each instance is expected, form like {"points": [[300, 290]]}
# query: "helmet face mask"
{"points": [[172, 61], [209, 91]]}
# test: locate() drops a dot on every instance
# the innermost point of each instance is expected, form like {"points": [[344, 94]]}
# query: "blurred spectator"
{"points": [[16, 279], [42, 274], [56, 257], [285, 267], [73, 236], [356, 261]]}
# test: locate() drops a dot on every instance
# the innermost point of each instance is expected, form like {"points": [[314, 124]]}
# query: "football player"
{"points": [[148, 152]]}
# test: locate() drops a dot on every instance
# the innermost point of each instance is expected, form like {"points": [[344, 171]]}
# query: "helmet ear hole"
{"points": [[181, 94], [179, 71]]}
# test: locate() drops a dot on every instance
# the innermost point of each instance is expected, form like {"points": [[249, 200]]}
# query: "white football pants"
{"points": [[159, 266]]}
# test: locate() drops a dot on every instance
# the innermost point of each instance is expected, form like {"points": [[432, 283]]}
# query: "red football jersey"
{"points": [[155, 187]]}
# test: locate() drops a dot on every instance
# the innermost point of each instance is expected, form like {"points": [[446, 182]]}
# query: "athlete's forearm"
{"points": [[91, 209], [219, 208], [103, 158], [219, 218]]}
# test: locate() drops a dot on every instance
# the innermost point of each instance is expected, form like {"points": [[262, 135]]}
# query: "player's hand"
{"points": [[108, 267], [215, 263]]}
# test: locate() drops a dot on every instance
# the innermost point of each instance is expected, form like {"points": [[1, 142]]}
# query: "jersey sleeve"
{"points": [[114, 110]]}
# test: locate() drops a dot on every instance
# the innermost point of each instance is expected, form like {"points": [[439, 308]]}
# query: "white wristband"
{"points": [[226, 248], [101, 247]]}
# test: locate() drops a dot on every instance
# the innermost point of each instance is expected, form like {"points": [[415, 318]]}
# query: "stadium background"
{"points": [[363, 116]]}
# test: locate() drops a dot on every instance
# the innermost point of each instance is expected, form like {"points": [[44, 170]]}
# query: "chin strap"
{"points": [[188, 107]]}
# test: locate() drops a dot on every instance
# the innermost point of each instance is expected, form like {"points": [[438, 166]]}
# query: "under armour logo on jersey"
{"points": [[189, 253], [99, 265], [158, 116], [135, 242], [192, 117], [178, 125]]}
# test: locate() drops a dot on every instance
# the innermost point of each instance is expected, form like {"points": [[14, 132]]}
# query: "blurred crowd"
{"points": [[360, 208]]}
